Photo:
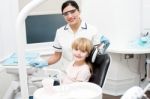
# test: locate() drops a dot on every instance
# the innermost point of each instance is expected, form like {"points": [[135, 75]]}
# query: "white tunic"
{"points": [[65, 36]]}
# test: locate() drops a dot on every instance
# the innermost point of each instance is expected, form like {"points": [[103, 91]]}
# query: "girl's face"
{"points": [[79, 55], [71, 15]]}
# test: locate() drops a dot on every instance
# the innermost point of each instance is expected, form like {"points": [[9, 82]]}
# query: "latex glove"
{"points": [[104, 40], [104, 43], [38, 63]]}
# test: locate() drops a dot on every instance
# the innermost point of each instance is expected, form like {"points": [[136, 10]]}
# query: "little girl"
{"points": [[79, 70]]}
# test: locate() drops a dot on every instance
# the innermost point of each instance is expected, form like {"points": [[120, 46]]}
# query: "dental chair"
{"points": [[100, 68], [100, 62]]}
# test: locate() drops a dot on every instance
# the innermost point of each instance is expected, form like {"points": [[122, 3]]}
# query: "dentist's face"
{"points": [[71, 15], [79, 55]]}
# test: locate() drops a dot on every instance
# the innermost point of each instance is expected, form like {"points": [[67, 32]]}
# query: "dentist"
{"points": [[65, 35]]}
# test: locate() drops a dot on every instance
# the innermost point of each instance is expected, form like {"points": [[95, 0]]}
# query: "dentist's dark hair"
{"points": [[69, 2]]}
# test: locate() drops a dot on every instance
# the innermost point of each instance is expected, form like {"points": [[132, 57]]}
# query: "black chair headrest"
{"points": [[100, 67]]}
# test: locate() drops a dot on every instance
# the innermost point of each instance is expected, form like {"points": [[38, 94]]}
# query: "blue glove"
{"points": [[38, 63], [104, 40]]}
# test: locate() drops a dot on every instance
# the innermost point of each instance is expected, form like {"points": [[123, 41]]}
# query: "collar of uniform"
{"points": [[82, 26]]}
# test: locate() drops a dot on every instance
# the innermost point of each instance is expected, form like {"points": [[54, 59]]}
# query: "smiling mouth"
{"points": [[71, 20], [78, 56]]}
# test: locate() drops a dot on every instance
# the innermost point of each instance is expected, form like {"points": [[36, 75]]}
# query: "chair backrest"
{"points": [[100, 68]]}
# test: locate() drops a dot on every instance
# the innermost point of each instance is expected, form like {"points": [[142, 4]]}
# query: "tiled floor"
{"points": [[110, 97], [148, 94]]}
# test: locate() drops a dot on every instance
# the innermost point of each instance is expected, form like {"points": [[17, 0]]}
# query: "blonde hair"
{"points": [[82, 44], [85, 45]]}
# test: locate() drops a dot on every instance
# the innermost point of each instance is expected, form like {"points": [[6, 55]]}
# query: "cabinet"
{"points": [[5, 81]]}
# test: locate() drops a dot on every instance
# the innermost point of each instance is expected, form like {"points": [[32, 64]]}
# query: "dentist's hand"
{"points": [[39, 63], [104, 40]]}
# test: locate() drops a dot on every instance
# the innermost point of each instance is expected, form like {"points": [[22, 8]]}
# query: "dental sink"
{"points": [[78, 90]]}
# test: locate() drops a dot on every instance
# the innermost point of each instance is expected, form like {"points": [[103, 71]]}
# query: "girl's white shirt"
{"points": [[77, 73]]}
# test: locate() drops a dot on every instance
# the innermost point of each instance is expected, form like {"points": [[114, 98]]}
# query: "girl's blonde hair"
{"points": [[82, 44], [85, 45]]}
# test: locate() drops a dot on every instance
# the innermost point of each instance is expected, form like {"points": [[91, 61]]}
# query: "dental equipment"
{"points": [[100, 48], [20, 30], [77, 90], [136, 92]]}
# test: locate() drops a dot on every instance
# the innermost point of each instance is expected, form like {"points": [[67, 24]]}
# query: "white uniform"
{"points": [[65, 36]]}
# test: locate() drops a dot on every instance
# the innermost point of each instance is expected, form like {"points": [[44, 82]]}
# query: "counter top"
{"points": [[129, 48]]}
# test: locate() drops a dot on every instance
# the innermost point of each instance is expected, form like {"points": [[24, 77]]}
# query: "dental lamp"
{"points": [[20, 32]]}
